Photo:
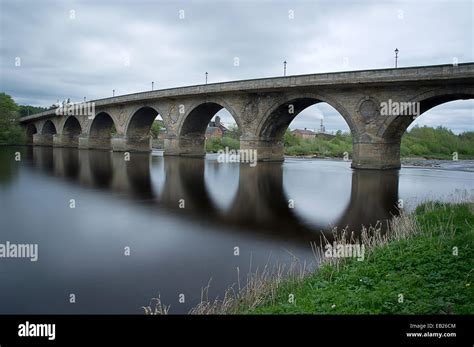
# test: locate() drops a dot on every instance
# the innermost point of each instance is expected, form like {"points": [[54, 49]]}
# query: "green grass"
{"points": [[422, 268]]}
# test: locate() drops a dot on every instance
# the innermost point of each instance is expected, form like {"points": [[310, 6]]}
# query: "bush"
{"points": [[319, 146], [215, 144]]}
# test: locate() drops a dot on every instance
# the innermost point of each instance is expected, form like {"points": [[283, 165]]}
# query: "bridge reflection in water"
{"points": [[243, 198]]}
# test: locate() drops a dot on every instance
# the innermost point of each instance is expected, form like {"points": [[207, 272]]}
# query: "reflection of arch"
{"points": [[100, 164], [322, 203], [139, 178], [261, 202], [259, 206], [374, 195], [30, 131], [184, 179], [279, 116], [48, 128], [222, 183], [70, 159], [395, 127], [45, 158]]}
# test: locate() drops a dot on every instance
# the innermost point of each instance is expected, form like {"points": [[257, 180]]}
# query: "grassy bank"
{"points": [[416, 273], [423, 265]]}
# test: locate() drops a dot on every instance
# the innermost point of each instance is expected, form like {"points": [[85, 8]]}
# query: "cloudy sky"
{"points": [[52, 50]]}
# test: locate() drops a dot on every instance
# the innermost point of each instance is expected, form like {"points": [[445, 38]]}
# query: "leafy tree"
{"points": [[290, 139], [11, 132], [155, 129], [439, 143], [234, 132], [26, 110]]}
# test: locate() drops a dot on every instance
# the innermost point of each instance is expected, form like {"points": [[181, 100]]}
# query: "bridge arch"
{"points": [[72, 126], [102, 125], [101, 131], [394, 127], [46, 137], [270, 131], [208, 109], [71, 130], [30, 131], [49, 128], [138, 128], [192, 131], [140, 122], [278, 118]]}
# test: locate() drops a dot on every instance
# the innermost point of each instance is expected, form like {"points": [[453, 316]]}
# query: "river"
{"points": [[169, 226]]}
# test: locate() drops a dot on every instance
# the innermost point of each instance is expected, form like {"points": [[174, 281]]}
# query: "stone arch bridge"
{"points": [[263, 109]]}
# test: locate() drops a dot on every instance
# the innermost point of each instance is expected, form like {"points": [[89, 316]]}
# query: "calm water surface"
{"points": [[177, 250]]}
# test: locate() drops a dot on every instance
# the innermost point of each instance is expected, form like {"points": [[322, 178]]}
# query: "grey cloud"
{"points": [[64, 57]]}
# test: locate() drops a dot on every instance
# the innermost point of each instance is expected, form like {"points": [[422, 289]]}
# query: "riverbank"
{"points": [[421, 142], [424, 265]]}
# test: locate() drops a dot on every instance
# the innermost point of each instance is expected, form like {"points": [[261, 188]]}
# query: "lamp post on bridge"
{"points": [[206, 77], [113, 92], [284, 68], [152, 85], [396, 58]]}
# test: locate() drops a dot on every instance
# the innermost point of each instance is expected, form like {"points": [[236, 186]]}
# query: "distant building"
{"points": [[216, 123], [304, 134], [214, 132], [309, 134]]}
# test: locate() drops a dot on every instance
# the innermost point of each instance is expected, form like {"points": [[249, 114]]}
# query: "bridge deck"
{"points": [[462, 71]]}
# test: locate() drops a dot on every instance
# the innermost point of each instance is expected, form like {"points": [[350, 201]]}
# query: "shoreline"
{"points": [[428, 255], [423, 266]]}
